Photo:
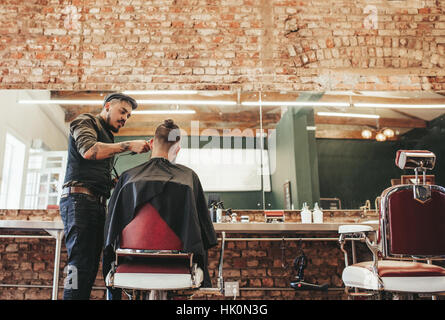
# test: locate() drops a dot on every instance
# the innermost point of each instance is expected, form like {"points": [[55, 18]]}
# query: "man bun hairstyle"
{"points": [[121, 97], [169, 123], [168, 133]]}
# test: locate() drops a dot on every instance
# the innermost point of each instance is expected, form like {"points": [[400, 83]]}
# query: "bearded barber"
{"points": [[87, 186]]}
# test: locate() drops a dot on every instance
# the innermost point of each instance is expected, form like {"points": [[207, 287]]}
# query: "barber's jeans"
{"points": [[83, 219]]}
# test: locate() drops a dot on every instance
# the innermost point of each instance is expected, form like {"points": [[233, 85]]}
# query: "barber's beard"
{"points": [[115, 130]]}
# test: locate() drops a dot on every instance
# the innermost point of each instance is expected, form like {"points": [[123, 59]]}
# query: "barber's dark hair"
{"points": [[168, 132], [121, 97]]}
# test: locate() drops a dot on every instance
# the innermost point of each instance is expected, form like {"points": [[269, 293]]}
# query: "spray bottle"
{"points": [[219, 209], [306, 215], [317, 214], [212, 211]]}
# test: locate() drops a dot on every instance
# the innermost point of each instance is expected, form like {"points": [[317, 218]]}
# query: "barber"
{"points": [[87, 186]]}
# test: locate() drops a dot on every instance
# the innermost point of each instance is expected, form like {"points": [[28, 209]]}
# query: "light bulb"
{"points": [[388, 132], [366, 133], [380, 137]]}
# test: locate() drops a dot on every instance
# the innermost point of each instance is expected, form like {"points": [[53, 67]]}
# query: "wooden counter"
{"points": [[284, 227]]}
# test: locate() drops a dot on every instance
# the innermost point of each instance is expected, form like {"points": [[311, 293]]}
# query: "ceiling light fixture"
{"points": [[342, 104], [348, 115], [100, 102], [380, 137], [396, 106], [388, 132], [366, 133], [231, 103], [296, 103], [164, 112], [195, 102], [157, 92]]}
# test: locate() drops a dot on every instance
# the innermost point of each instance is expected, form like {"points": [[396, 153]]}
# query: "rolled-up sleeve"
{"points": [[84, 134]]}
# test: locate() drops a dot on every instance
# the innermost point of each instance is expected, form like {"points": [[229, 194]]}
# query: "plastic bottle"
{"points": [[317, 214], [228, 215], [306, 215], [212, 212], [219, 210]]}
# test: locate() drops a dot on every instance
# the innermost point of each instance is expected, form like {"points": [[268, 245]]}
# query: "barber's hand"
{"points": [[114, 181], [139, 146]]}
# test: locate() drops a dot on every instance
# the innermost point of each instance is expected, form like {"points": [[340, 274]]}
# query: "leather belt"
{"points": [[69, 190]]}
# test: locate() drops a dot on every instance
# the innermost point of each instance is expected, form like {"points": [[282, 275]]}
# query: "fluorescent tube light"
{"points": [[100, 102], [136, 92], [246, 103], [163, 112], [296, 103], [195, 102], [350, 115], [395, 106]]}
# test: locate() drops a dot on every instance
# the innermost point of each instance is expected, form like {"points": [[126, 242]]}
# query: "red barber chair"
{"points": [[150, 258], [409, 238]]}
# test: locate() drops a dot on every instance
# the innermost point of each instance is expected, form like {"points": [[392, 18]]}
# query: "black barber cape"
{"points": [[176, 193]]}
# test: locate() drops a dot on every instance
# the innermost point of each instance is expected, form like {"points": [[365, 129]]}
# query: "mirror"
{"points": [[221, 142], [338, 148], [251, 150]]}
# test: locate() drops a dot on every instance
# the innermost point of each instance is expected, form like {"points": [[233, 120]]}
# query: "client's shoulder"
{"points": [[185, 168], [134, 171]]}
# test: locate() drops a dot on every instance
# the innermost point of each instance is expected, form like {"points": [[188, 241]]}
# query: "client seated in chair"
{"points": [[159, 205]]}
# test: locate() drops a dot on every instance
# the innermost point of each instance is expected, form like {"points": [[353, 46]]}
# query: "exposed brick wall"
{"points": [[222, 44], [262, 272], [23, 214], [27, 264]]}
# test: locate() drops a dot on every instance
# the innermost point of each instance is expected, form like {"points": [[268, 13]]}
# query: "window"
{"points": [[13, 161], [45, 175]]}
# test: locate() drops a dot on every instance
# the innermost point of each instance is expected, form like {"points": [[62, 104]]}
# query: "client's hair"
{"points": [[168, 133]]}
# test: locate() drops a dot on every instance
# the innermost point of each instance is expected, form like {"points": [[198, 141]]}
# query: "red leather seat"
{"points": [[393, 268], [150, 257], [148, 231]]}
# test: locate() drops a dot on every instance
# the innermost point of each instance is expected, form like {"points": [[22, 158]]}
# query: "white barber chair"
{"points": [[410, 236], [150, 259]]}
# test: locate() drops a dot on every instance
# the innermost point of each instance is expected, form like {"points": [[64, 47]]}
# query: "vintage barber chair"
{"points": [[150, 259], [410, 236]]}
